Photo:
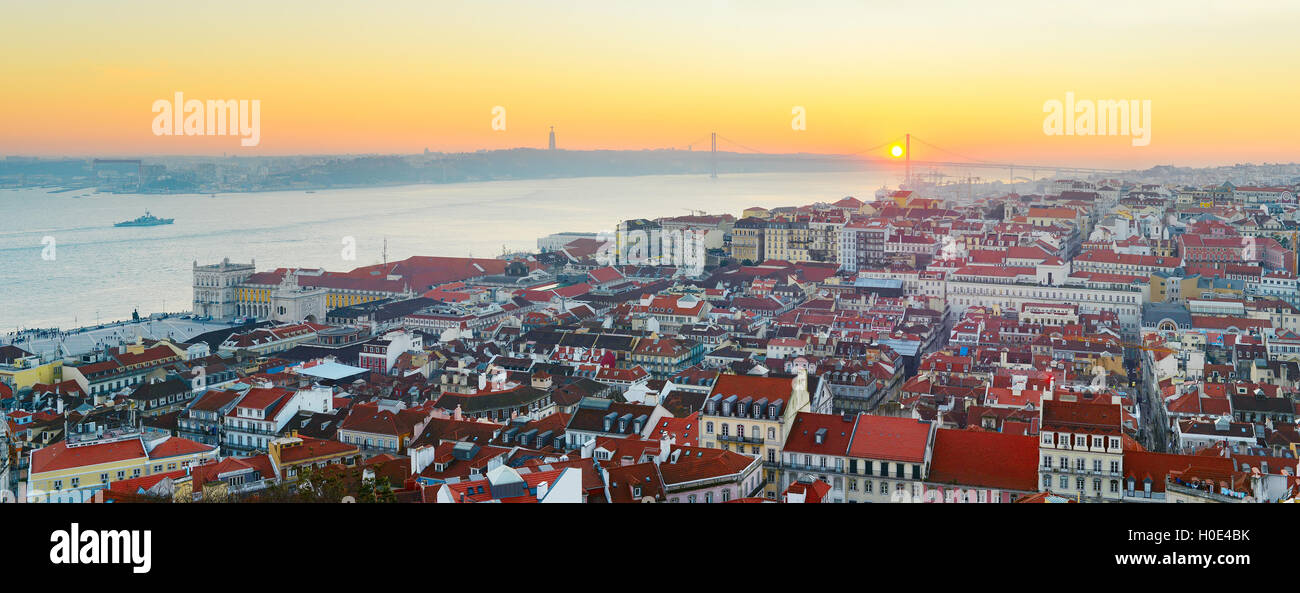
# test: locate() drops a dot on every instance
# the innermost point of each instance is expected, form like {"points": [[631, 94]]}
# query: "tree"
{"points": [[377, 490], [322, 485]]}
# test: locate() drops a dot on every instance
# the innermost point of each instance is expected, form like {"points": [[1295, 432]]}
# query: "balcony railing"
{"points": [[812, 468], [739, 439]]}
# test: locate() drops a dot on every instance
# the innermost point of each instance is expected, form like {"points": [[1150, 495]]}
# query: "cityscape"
{"points": [[1096, 340], [264, 261]]}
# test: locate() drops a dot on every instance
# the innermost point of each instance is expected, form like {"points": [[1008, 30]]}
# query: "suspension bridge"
{"points": [[898, 151]]}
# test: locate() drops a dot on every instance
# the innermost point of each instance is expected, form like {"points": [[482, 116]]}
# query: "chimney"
{"points": [[542, 489]]}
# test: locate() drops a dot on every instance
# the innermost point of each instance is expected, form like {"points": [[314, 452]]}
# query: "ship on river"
{"points": [[146, 220]]}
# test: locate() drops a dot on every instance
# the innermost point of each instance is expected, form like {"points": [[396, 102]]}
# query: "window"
{"points": [[58, 484], [708, 427]]}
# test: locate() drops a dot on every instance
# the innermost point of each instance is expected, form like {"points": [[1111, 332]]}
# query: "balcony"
{"points": [[739, 439], [253, 431], [812, 468]]}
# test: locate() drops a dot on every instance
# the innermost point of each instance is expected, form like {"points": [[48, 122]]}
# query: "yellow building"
{"points": [[1052, 216], [72, 470], [747, 240], [786, 240], [1160, 285], [751, 414], [253, 299], [1199, 287], [27, 371]]}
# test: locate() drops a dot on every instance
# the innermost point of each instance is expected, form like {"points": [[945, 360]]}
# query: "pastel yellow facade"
{"points": [[79, 482], [333, 299], [86, 478], [28, 374]]}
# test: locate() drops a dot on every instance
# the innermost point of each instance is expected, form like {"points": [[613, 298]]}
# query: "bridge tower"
{"points": [[713, 155], [907, 155]]}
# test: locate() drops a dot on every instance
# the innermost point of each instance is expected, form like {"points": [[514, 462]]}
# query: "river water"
{"points": [[64, 264]]}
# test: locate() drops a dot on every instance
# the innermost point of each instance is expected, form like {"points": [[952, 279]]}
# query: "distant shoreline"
{"points": [[219, 193]]}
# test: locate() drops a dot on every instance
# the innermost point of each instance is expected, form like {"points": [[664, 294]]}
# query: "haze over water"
{"points": [[105, 271]]}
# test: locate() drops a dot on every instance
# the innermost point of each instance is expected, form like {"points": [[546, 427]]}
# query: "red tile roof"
{"points": [[1141, 465], [772, 388], [700, 463], [802, 434], [814, 492], [1074, 416], [134, 485], [175, 446], [313, 448], [60, 456], [985, 459], [891, 438]]}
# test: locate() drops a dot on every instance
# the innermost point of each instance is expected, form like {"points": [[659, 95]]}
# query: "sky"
{"points": [[399, 77]]}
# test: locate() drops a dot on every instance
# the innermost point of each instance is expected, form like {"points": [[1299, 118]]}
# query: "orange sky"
{"points": [[402, 76]]}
